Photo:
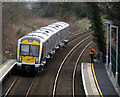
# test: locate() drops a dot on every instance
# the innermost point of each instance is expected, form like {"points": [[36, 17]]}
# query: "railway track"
{"points": [[75, 68], [63, 81], [19, 86], [21, 82], [78, 35]]}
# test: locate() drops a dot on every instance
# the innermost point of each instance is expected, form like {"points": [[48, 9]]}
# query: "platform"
{"points": [[96, 80], [2, 62], [6, 69]]}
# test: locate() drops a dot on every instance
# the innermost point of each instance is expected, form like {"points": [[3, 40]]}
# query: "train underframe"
{"points": [[28, 68]]}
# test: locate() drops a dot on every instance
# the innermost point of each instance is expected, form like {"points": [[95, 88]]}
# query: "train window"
{"points": [[34, 50], [24, 49], [29, 50]]}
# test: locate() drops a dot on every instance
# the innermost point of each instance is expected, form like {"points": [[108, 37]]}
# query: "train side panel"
{"points": [[64, 34], [45, 49]]}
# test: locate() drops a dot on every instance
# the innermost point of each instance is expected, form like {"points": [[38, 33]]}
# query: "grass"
{"points": [[83, 24]]}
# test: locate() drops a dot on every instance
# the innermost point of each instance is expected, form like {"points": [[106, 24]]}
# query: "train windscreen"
{"points": [[29, 50]]}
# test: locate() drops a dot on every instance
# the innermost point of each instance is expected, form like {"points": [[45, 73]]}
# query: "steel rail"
{"points": [[58, 72], [9, 89], [79, 37], [31, 85], [11, 86], [78, 33], [76, 64]]}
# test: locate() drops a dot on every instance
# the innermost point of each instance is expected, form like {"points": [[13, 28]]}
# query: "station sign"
{"points": [[7, 52]]}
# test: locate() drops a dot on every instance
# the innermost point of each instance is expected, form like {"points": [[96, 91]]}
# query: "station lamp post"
{"points": [[110, 69], [108, 23]]}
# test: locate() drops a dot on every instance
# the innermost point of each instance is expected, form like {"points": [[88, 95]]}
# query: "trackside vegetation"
{"points": [[97, 26]]}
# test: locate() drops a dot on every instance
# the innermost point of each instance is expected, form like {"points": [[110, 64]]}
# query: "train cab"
{"points": [[29, 53]]}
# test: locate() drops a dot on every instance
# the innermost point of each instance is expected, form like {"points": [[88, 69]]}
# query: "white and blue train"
{"points": [[34, 48]]}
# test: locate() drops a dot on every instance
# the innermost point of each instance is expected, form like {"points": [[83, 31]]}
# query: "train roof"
{"points": [[44, 33]]}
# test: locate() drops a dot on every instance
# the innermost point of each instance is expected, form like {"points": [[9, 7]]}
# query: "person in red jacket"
{"points": [[92, 51]]}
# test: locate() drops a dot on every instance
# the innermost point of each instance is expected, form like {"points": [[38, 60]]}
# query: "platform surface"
{"points": [[6, 68], [2, 61], [102, 83]]}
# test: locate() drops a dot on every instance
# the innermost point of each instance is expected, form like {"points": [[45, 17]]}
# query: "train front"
{"points": [[28, 54]]}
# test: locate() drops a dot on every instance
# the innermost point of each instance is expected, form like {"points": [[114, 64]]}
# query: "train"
{"points": [[36, 47]]}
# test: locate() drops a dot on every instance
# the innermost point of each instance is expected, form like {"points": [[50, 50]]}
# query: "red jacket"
{"points": [[92, 51]]}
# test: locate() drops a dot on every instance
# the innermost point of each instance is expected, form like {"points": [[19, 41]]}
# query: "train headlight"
{"points": [[36, 61], [20, 59]]}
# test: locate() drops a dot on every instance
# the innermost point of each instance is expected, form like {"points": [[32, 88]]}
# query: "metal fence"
{"points": [[113, 55]]}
